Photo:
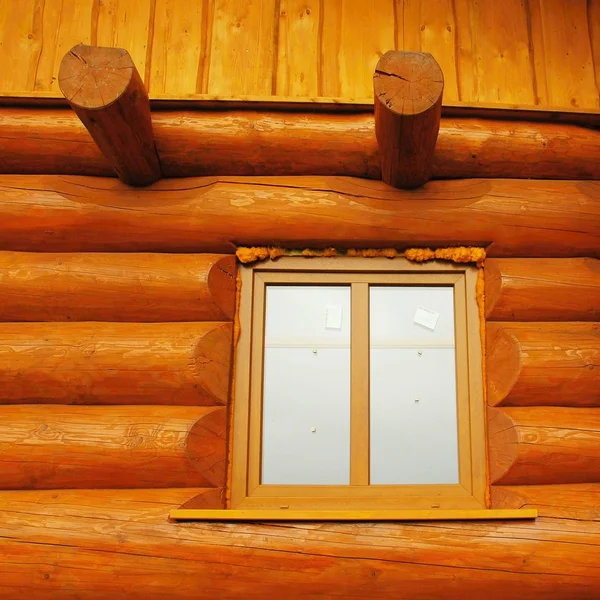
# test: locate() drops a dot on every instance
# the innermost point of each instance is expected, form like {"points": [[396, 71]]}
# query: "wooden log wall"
{"points": [[115, 356], [543, 365], [141, 343], [251, 142], [94, 544], [511, 218], [537, 53]]}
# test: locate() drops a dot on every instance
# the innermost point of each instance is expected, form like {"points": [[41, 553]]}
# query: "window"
{"points": [[358, 385]]}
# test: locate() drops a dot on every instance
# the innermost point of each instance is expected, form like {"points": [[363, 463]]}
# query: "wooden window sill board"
{"points": [[190, 514]]}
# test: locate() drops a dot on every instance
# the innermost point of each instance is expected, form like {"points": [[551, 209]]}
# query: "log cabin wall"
{"points": [[114, 362], [114, 370], [116, 315], [543, 53]]}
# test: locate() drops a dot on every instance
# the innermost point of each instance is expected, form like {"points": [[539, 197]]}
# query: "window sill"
{"points": [[190, 514]]}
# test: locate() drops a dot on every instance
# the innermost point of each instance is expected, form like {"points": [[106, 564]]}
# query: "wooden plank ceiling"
{"points": [[542, 53]]}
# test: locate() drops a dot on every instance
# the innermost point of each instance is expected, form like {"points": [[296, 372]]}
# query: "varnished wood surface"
{"points": [[551, 364], [541, 290], [105, 90], [408, 88], [91, 447], [113, 543], [579, 501], [251, 142], [396, 515], [537, 53], [116, 287], [509, 217], [541, 445], [115, 363]]}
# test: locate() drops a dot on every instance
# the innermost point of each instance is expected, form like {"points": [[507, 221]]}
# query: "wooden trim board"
{"points": [[191, 514]]}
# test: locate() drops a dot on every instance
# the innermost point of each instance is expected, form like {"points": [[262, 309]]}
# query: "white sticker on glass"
{"points": [[333, 317], [426, 317]]}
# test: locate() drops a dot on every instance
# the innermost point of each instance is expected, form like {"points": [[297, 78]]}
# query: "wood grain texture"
{"points": [[105, 90], [511, 217], [543, 364], [501, 45], [125, 24], [354, 35], [249, 142], [408, 105], [51, 140], [535, 53], [63, 24], [115, 363], [116, 287], [541, 290], [135, 550], [92, 447], [539, 445], [298, 48], [425, 26], [579, 501], [567, 51], [179, 38], [192, 514], [242, 48]]}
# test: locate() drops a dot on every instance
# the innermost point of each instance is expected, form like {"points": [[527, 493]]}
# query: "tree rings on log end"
{"points": [[91, 77]]}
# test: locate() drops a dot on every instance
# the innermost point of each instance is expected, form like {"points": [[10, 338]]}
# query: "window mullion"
{"points": [[359, 385]]}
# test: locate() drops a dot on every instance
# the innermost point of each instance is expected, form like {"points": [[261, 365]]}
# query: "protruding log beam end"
{"points": [[408, 105], [106, 91]]}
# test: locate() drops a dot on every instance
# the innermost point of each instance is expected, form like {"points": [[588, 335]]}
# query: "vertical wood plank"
{"points": [[176, 47], [124, 24], [503, 65], [66, 23], [430, 27], [298, 48], [537, 52], [568, 53], [244, 36], [330, 42], [359, 385], [593, 19], [464, 53], [20, 44], [411, 24], [355, 34]]}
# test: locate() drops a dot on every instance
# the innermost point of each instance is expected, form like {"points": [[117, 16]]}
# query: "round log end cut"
{"points": [[91, 77], [408, 90]]}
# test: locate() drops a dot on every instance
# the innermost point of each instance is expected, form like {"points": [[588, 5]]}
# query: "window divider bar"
{"points": [[359, 385]]}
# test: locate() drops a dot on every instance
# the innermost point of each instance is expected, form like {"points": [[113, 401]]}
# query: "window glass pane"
{"points": [[414, 430], [306, 387]]}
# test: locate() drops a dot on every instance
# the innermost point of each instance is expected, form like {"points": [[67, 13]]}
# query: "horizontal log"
{"points": [[92, 447], [48, 140], [544, 445], [118, 363], [543, 364], [115, 544], [116, 287], [513, 217], [578, 501], [251, 142], [563, 289]]}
